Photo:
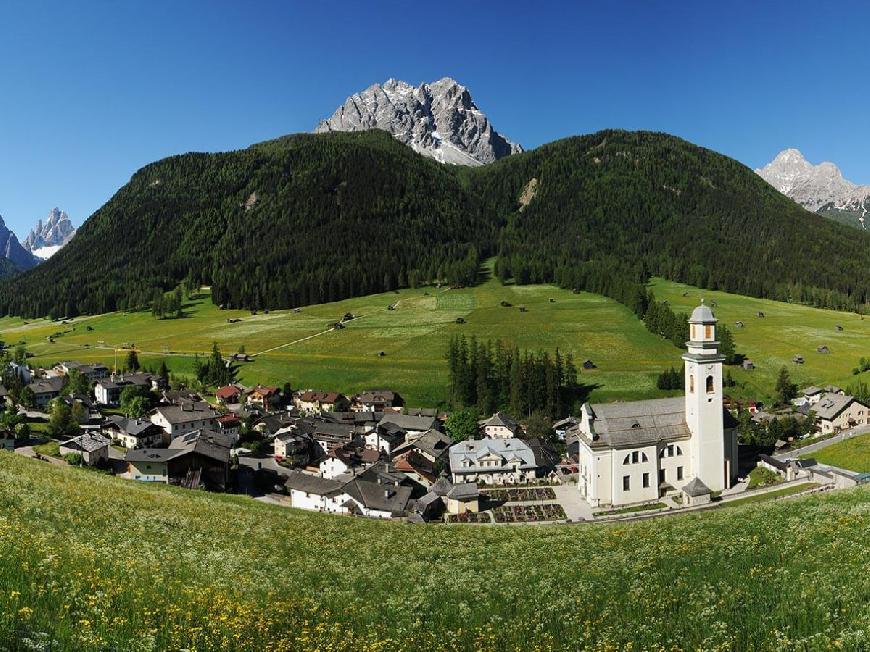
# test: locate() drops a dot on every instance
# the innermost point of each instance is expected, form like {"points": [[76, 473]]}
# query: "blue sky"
{"points": [[91, 91]]}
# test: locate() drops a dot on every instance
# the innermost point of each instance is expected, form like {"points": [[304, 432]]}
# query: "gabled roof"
{"points": [[379, 497], [464, 491], [312, 484], [228, 391], [133, 427], [639, 423], [830, 405], [181, 414], [407, 422], [500, 420], [475, 450], [88, 442]]}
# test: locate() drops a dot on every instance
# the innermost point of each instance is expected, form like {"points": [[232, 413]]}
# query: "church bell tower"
{"points": [[704, 416]]}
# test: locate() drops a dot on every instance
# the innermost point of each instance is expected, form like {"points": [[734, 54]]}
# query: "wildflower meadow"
{"points": [[91, 562]]}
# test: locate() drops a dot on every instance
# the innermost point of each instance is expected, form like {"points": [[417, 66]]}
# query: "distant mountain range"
{"points": [[17, 257], [438, 119], [820, 188], [46, 238]]}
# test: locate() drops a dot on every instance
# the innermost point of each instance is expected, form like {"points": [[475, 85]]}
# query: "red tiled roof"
{"points": [[228, 392]]}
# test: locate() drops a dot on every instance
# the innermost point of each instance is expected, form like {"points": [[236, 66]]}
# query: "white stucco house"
{"points": [[493, 461], [638, 451], [500, 425], [836, 412]]}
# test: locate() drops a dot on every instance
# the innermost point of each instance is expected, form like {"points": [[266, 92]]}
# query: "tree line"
{"points": [[490, 376]]}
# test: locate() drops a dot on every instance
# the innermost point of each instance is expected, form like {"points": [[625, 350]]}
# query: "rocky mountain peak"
{"points": [[49, 236], [819, 187], [437, 119], [11, 248]]}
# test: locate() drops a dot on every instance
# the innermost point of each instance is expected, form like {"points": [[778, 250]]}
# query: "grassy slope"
{"points": [[413, 337], [787, 329], [853, 454], [159, 568]]}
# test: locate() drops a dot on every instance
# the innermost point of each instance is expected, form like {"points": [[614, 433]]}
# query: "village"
{"points": [[370, 455]]}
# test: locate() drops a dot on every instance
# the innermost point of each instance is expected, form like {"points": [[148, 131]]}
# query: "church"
{"points": [[683, 446]]}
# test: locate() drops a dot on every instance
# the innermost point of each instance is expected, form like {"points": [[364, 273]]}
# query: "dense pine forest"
{"points": [[307, 219]]}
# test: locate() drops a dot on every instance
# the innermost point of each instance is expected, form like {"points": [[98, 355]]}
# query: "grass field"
{"points": [[413, 338], [294, 347], [91, 562], [852, 454], [786, 330]]}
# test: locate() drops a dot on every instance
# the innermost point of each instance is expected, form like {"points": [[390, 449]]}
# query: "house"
{"points": [[500, 425], [179, 397], [493, 461], [748, 365], [376, 400], [108, 390], [315, 493], [230, 425], [330, 436], [339, 462], [45, 390], [291, 446], [638, 451], [376, 499], [836, 412], [133, 433], [432, 445], [195, 460], [266, 398], [385, 437], [177, 420], [270, 424], [463, 497], [93, 447], [312, 402], [411, 425], [229, 394], [93, 372], [788, 470]]}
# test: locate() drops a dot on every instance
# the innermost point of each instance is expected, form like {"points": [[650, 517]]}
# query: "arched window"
{"points": [[679, 451], [635, 458], [710, 384], [691, 383]]}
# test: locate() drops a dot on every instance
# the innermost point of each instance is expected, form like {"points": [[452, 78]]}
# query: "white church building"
{"points": [[639, 451]]}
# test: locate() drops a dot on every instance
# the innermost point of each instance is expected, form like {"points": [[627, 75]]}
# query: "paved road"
{"points": [[812, 448], [27, 451]]}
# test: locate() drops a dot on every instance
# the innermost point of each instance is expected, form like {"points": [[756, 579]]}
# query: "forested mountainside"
{"points": [[605, 210], [313, 218], [302, 219]]}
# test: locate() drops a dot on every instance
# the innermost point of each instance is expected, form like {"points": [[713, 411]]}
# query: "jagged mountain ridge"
{"points": [[820, 188], [48, 237], [438, 119], [12, 250]]}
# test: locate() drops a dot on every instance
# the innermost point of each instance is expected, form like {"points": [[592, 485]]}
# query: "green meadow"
{"points": [[786, 330], [852, 454], [297, 348], [92, 562], [413, 339]]}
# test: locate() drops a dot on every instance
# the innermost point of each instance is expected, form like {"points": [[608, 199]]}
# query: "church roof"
{"points": [[639, 423], [702, 315]]}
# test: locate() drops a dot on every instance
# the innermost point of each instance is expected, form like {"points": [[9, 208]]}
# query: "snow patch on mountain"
{"points": [[47, 238]]}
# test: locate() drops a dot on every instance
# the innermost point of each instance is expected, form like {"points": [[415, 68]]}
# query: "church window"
{"points": [[646, 480], [679, 451], [708, 332], [635, 457], [626, 483], [679, 473], [710, 384], [691, 383]]}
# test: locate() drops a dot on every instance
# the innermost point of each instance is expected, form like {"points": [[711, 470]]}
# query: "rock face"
{"points": [[439, 120], [10, 248], [49, 236], [820, 188]]}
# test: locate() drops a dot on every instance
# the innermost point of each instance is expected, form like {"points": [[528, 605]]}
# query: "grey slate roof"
{"points": [[640, 423], [383, 498], [179, 414], [88, 442], [474, 450], [431, 442], [151, 455], [830, 405], [696, 488], [133, 427], [408, 422], [312, 484], [500, 419], [464, 491]]}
